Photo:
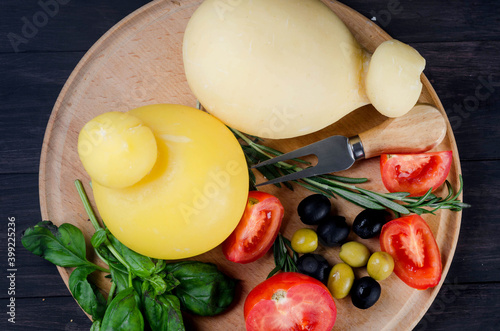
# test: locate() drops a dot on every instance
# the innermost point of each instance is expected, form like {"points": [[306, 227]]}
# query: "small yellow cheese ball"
{"points": [[117, 150]]}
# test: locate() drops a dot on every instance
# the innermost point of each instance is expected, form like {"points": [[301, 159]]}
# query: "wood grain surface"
{"points": [[420, 130], [139, 62], [458, 39]]}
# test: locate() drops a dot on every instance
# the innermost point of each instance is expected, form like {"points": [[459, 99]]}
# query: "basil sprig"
{"points": [[144, 293]]}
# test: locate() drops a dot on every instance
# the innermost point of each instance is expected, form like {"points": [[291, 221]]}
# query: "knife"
{"points": [[420, 130]]}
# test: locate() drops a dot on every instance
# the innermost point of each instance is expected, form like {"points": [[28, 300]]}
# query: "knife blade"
{"points": [[420, 130]]}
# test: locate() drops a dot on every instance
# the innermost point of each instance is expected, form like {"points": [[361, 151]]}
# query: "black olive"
{"points": [[333, 231], [314, 265], [313, 209], [365, 292], [369, 222]]}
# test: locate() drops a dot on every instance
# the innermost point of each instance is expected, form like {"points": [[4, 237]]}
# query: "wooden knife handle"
{"points": [[420, 130]]}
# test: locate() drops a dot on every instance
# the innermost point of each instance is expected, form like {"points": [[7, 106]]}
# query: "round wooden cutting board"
{"points": [[139, 62]]}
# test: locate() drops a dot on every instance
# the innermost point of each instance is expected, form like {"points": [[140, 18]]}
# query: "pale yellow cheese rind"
{"points": [[393, 82], [273, 68]]}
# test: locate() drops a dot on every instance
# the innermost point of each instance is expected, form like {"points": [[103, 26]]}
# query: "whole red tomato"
{"points": [[417, 260], [415, 173], [257, 230], [290, 301]]}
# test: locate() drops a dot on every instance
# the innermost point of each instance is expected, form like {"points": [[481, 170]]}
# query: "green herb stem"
{"points": [[111, 292], [95, 223], [122, 261], [86, 204], [99, 268]]}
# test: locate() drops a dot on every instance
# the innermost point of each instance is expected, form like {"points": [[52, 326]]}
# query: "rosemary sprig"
{"points": [[344, 187], [282, 258]]}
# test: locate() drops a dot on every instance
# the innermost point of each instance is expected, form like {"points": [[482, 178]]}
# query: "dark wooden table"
{"points": [[42, 41]]}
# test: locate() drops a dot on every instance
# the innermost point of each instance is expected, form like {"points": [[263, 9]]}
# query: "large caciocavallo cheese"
{"points": [[285, 68]]}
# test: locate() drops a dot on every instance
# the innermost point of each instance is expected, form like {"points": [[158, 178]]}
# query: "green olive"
{"points": [[340, 280], [354, 254], [380, 265], [304, 241]]}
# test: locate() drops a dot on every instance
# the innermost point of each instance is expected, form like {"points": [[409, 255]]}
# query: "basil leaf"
{"points": [[158, 284], [203, 289], [105, 254], [87, 295], [123, 313], [118, 272], [163, 312], [99, 237], [140, 265], [159, 266], [63, 246], [171, 282], [119, 278], [137, 283], [96, 326], [174, 315]]}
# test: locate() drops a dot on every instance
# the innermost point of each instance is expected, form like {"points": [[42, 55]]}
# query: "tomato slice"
{"points": [[415, 173], [290, 301], [257, 230], [417, 260]]}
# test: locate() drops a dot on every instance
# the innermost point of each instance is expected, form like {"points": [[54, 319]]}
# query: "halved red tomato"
{"points": [[290, 301], [417, 260], [257, 230], [415, 173]]}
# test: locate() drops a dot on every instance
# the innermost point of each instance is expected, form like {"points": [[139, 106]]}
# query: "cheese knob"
{"points": [[393, 80], [117, 150]]}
